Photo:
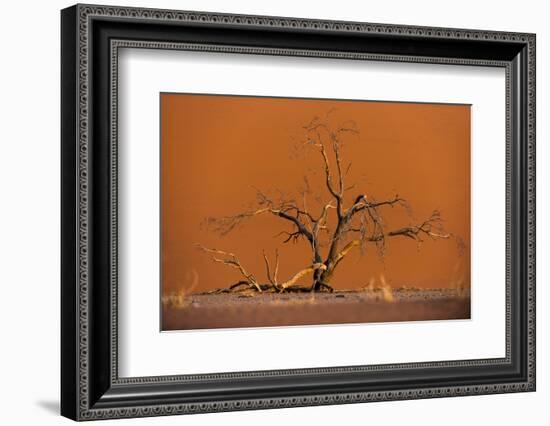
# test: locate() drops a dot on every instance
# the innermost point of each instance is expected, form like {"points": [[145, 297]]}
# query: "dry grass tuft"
{"points": [[381, 292], [387, 293], [179, 299], [459, 283]]}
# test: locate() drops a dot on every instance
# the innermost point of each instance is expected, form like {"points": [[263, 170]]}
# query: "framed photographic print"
{"points": [[327, 257], [263, 212]]}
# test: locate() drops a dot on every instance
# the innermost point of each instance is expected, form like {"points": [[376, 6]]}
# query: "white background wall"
{"points": [[29, 211]]}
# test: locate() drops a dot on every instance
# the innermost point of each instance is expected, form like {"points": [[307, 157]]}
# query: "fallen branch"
{"points": [[231, 260]]}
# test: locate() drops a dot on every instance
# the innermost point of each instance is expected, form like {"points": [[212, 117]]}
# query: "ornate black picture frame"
{"points": [[91, 387]]}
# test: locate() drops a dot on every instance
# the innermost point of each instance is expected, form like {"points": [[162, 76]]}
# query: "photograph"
{"points": [[282, 211]]}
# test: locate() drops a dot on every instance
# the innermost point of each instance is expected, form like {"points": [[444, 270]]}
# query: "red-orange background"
{"points": [[217, 149]]}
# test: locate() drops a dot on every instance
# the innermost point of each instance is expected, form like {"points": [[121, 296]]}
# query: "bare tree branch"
{"points": [[272, 279], [231, 260], [225, 225], [361, 203], [302, 273], [328, 173], [321, 220], [276, 271], [430, 227]]}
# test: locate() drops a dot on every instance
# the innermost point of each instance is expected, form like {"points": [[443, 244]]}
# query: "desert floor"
{"points": [[233, 310]]}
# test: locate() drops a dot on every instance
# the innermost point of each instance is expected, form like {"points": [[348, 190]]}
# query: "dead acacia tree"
{"points": [[356, 219]]}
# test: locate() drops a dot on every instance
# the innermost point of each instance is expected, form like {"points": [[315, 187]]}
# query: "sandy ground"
{"points": [[203, 311]]}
